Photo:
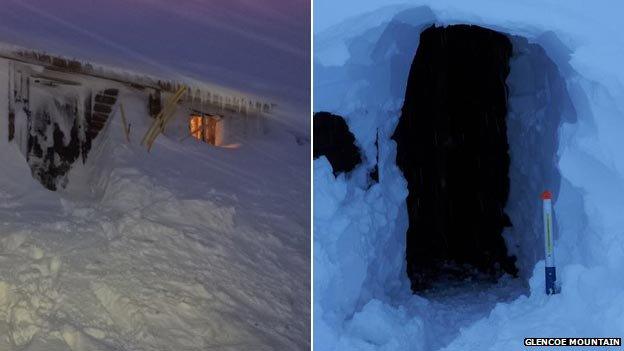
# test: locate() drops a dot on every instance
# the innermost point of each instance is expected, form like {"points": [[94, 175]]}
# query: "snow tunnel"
{"points": [[368, 75], [476, 142], [453, 151]]}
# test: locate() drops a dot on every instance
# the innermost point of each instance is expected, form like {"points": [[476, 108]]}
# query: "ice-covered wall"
{"points": [[54, 120], [565, 135]]}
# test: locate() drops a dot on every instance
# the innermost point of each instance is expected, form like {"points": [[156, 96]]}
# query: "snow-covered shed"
{"points": [[58, 109]]}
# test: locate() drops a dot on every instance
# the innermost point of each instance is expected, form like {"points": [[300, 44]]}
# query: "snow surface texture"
{"points": [[189, 247], [565, 126]]}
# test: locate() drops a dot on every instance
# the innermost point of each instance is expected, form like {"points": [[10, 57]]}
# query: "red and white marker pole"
{"points": [[551, 273]]}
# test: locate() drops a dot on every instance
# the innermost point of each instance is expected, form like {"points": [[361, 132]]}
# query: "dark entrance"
{"points": [[452, 149]]}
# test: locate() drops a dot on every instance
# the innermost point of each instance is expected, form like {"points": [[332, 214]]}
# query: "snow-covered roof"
{"points": [[197, 89]]}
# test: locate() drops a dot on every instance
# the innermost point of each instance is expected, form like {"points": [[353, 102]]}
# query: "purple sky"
{"points": [[257, 46]]}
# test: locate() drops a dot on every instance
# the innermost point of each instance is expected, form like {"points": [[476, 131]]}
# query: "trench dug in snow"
{"points": [[564, 127], [476, 142], [452, 149]]}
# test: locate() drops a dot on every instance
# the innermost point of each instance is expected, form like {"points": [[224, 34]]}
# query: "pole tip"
{"points": [[546, 195]]}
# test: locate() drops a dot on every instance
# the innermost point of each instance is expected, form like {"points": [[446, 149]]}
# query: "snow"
{"points": [[184, 248], [565, 123], [538, 104], [187, 247], [260, 49]]}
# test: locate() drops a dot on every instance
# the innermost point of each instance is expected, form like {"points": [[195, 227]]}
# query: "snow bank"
{"points": [[566, 103], [187, 247]]}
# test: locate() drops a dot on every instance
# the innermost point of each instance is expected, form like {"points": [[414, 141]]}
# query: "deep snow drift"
{"points": [[189, 247], [564, 122]]}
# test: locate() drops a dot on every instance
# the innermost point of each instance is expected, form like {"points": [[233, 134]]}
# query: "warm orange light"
{"points": [[232, 146], [207, 128], [196, 126]]}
